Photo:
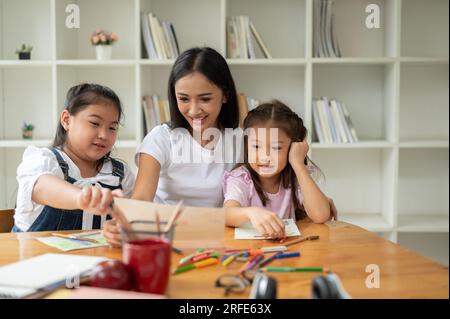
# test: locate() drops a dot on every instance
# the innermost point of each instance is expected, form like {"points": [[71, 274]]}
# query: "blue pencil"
{"points": [[288, 255], [270, 259]]}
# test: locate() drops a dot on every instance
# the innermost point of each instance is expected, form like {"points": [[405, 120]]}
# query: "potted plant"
{"points": [[103, 41], [27, 131], [24, 52]]}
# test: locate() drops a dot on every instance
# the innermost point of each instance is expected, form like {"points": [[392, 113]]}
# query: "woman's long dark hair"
{"points": [[214, 67], [78, 98], [278, 115]]}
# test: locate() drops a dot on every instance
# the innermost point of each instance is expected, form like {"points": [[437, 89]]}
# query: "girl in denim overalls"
{"points": [[72, 184]]}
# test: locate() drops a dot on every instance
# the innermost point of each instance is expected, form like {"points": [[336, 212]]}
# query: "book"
{"points": [[316, 123], [349, 123], [324, 121], [325, 42], [155, 35], [43, 273], [348, 134], [251, 49], [87, 292], [174, 38], [147, 37], [339, 125], [334, 136], [260, 42]]}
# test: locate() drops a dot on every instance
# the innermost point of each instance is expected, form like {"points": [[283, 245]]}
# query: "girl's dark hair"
{"points": [[280, 116], [212, 65], [78, 98]]}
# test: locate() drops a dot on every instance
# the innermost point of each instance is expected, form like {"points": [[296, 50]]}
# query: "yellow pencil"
{"points": [[229, 260], [206, 262]]}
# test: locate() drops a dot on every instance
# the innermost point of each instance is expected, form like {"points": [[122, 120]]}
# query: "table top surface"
{"points": [[347, 250]]}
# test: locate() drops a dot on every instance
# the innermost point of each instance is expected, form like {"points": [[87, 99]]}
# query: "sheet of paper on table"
{"points": [[247, 231], [67, 244]]}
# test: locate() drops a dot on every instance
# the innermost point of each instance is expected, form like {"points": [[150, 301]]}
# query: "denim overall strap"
{"points": [[118, 169]]}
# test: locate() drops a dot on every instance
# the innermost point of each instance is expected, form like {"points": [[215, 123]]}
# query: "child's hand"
{"points": [[111, 233], [298, 152], [267, 223], [97, 200]]}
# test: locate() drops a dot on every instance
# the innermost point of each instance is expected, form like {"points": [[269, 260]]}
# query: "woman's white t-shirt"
{"points": [[41, 161], [188, 170]]}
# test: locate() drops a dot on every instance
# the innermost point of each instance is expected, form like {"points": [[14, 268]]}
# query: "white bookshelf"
{"points": [[394, 81]]}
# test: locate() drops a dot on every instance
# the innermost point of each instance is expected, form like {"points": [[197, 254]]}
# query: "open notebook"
{"points": [[43, 273]]}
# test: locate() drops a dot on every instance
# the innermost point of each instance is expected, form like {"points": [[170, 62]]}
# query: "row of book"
{"points": [[325, 41], [155, 111], [240, 44], [332, 123], [159, 37]]}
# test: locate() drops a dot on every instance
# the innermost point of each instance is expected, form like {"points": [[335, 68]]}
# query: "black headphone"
{"points": [[328, 287]]}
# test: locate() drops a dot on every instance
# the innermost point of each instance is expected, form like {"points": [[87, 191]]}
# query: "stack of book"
{"points": [[155, 111], [325, 41], [245, 104], [160, 40], [239, 39], [332, 123]]}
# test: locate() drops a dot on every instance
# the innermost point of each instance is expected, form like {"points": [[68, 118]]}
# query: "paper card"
{"points": [[197, 227], [67, 244], [247, 231]]}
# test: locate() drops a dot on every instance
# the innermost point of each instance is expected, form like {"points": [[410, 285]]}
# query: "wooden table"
{"points": [[343, 248]]}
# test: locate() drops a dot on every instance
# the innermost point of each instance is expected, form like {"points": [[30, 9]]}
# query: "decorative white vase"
{"points": [[103, 52]]}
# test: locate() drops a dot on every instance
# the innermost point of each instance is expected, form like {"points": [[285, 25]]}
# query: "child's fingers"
{"points": [[112, 234], [117, 193], [276, 230], [85, 198], [95, 198], [261, 230], [105, 200]]}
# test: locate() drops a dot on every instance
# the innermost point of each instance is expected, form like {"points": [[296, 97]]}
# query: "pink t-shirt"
{"points": [[238, 185]]}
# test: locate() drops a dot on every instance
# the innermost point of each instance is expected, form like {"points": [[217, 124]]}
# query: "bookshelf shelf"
{"points": [[393, 80], [354, 61], [24, 63], [423, 223], [267, 62], [358, 145], [88, 62], [23, 143], [424, 144]]}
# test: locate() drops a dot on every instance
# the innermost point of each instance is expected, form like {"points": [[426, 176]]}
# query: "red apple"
{"points": [[112, 274]]}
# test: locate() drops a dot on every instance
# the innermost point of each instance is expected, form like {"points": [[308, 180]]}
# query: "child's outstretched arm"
{"points": [[316, 204], [53, 191], [267, 223]]}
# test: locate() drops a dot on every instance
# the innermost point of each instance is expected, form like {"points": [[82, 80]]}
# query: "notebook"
{"points": [[247, 231], [43, 273]]}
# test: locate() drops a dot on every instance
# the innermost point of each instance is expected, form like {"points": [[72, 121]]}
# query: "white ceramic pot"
{"points": [[103, 52]]}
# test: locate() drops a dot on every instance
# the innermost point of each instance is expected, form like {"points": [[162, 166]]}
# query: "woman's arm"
{"points": [[315, 202], [147, 178]]}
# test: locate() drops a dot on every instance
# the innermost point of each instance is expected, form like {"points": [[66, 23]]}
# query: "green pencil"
{"points": [[291, 269], [183, 269]]}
